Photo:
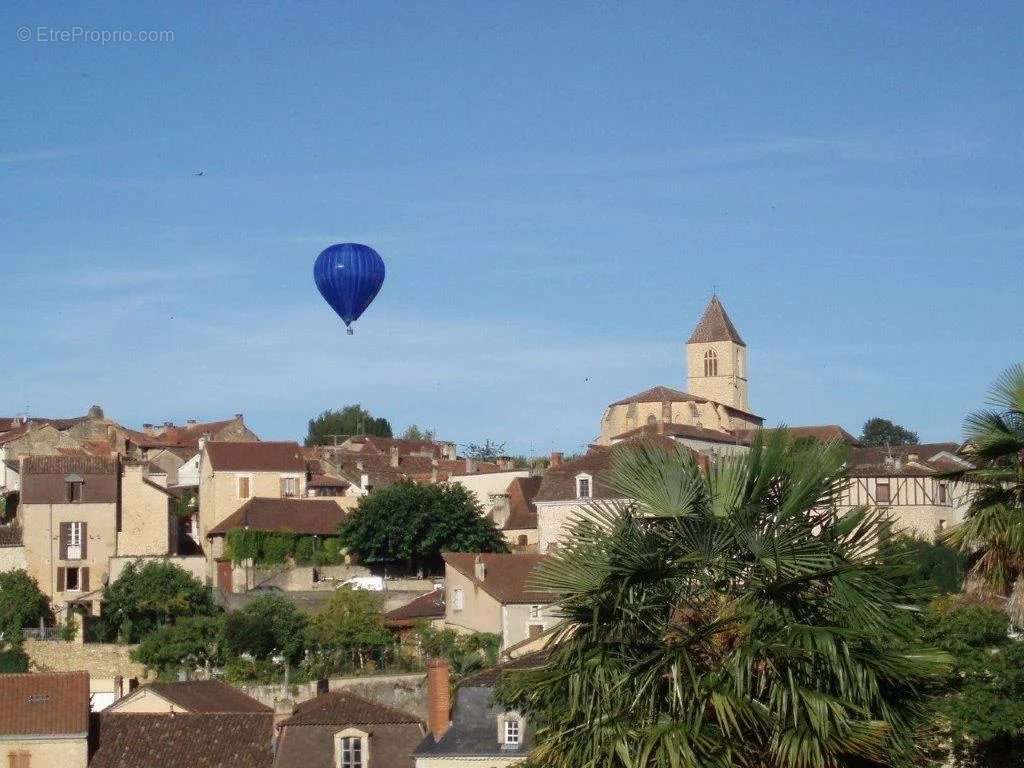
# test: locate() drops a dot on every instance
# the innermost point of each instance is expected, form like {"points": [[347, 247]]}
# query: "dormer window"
{"points": [[351, 749], [583, 487], [513, 733]]}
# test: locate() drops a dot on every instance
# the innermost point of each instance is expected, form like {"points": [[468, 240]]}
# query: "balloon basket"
{"points": [[350, 332]]}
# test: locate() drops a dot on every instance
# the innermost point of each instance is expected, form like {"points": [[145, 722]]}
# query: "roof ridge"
{"points": [[715, 325]]}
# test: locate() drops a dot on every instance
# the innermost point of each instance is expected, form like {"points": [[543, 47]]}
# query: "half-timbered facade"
{"points": [[908, 481]]}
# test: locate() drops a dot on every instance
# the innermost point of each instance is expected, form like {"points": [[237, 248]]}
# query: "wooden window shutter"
{"points": [[83, 579], [65, 535], [60, 579], [85, 538]]}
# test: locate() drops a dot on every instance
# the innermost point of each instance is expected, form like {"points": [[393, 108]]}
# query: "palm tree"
{"points": [[993, 529], [726, 618]]}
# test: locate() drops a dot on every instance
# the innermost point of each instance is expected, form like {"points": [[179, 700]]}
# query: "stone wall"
{"points": [[406, 692], [103, 661], [13, 559]]}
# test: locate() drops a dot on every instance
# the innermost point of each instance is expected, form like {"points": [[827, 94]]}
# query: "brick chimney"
{"points": [[556, 459], [239, 417], [470, 466], [479, 568], [438, 698], [395, 459], [433, 471]]}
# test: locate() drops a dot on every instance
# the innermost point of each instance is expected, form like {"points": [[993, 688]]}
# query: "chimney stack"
{"points": [[239, 417], [394, 456], [438, 698], [504, 462], [148, 429], [479, 569], [556, 459], [470, 466], [433, 471]]}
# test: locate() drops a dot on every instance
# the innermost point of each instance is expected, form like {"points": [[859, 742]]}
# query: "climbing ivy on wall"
{"points": [[272, 548]]}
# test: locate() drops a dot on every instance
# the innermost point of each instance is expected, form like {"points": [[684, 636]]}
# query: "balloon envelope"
{"points": [[349, 276]]}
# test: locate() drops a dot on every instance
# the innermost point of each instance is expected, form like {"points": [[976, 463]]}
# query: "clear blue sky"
{"points": [[556, 189]]}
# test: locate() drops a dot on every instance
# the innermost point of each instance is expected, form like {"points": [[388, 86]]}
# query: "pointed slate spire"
{"points": [[715, 325]]}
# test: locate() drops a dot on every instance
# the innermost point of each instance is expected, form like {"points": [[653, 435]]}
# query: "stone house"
{"points": [[907, 481], [339, 729], [490, 592], [477, 731], [171, 446], [515, 514], [44, 720]]}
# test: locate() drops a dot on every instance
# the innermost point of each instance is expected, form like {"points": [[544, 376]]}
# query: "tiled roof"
{"points": [[306, 516], [715, 325], [78, 463], [426, 606], [383, 445], [823, 432], [176, 436], [522, 513], [183, 740], [256, 456], [346, 708], [895, 461], [559, 483], [312, 746], [207, 696], [663, 394], [506, 576], [326, 481], [687, 430], [44, 704], [488, 678]]}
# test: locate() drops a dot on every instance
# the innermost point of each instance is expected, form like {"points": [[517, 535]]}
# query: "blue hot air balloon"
{"points": [[349, 275]]}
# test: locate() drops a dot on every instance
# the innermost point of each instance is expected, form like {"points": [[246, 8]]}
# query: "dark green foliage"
{"points": [[192, 643], [485, 451], [416, 523], [932, 568], [880, 432], [273, 548], [144, 599], [727, 619], [331, 426], [993, 529], [465, 653], [413, 432], [267, 626], [185, 504], [983, 700], [22, 604], [349, 633], [13, 661]]}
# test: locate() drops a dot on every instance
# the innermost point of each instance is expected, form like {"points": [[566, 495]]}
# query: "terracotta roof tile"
{"points": [[318, 516], [346, 708], [256, 456], [663, 394], [506, 576], [207, 696], [44, 704], [522, 511], [687, 430], [183, 740], [872, 461], [78, 463], [427, 606], [715, 325]]}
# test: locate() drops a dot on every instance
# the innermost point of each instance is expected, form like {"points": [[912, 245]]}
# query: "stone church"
{"points": [[713, 415]]}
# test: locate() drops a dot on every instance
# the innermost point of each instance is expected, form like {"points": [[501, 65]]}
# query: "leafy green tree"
{"points": [[415, 523], [413, 432], [934, 568], [192, 643], [351, 618], [22, 604], [727, 619], [878, 431], [465, 652], [145, 598], [993, 529], [485, 451], [267, 626], [350, 420], [983, 701]]}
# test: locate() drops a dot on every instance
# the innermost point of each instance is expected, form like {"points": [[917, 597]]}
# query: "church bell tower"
{"points": [[716, 359]]}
